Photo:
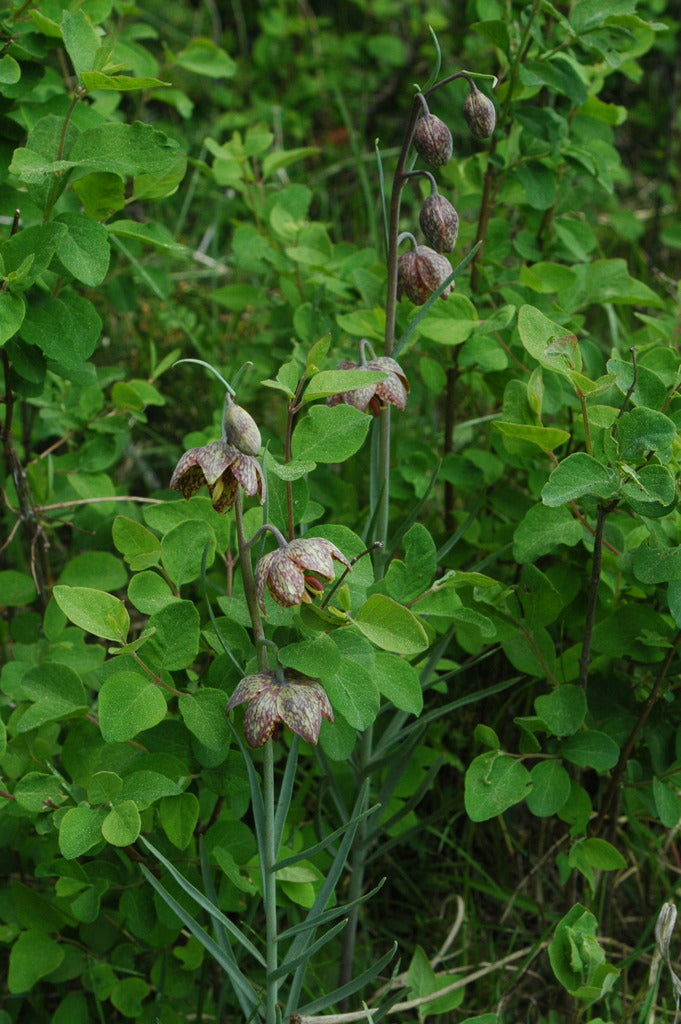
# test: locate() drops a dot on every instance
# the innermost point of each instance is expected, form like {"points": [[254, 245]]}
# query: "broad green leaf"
{"points": [[79, 830], [66, 329], [641, 431], [281, 158], [57, 693], [546, 278], [175, 643], [118, 83], [97, 569], [576, 476], [570, 952], [667, 803], [124, 149], [149, 592], [542, 530], [84, 249], [16, 588], [128, 993], [551, 345], [563, 710], [80, 39], [122, 824], [330, 434], [602, 855], [546, 438], [128, 704], [33, 955], [203, 713], [12, 311], [145, 788], [37, 243], [38, 792], [102, 194], [154, 235], [335, 382], [313, 658], [550, 788], [494, 782], [185, 547], [399, 681], [139, 546], [204, 58], [591, 749], [104, 787], [391, 626], [407, 579], [363, 323], [657, 565], [179, 815], [10, 70], [94, 611]]}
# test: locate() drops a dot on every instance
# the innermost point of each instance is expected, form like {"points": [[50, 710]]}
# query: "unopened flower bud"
{"points": [[433, 140], [240, 429], [420, 272], [479, 112], [439, 222]]}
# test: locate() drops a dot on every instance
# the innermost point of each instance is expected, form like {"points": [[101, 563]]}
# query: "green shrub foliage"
{"points": [[462, 515]]}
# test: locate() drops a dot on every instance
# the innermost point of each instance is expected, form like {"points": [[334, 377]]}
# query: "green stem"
{"points": [[585, 656], [268, 875], [270, 885]]}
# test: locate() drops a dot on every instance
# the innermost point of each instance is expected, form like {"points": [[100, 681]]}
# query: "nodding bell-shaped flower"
{"points": [[479, 113], [421, 271], [222, 468], [289, 698], [392, 390], [433, 140], [292, 572], [439, 222]]}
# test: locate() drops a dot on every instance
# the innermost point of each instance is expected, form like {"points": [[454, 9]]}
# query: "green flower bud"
{"points": [[240, 429]]}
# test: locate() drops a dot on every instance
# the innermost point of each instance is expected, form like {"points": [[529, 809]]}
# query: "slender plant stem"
{"points": [[269, 877], [270, 884], [628, 747], [585, 656]]}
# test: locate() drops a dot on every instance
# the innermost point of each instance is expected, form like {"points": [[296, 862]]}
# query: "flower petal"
{"points": [[214, 459], [261, 570], [285, 579], [247, 471], [249, 688], [314, 554], [261, 717], [299, 709]]}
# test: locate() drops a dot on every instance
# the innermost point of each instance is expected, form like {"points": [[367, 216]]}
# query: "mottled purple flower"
{"points": [[222, 468], [391, 391], [291, 573], [292, 699], [421, 271]]}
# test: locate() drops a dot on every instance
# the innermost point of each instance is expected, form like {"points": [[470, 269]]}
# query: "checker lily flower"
{"points": [[292, 572], [222, 468], [288, 698], [392, 390]]}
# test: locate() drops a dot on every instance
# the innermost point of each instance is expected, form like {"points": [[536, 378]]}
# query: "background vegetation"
{"points": [[201, 182]]}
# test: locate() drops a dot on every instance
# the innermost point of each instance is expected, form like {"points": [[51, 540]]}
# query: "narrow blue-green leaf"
{"points": [[236, 976], [330, 915], [352, 986], [290, 965], [285, 791], [199, 898], [312, 851]]}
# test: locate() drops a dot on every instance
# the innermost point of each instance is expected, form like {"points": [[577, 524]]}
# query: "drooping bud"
{"points": [[420, 272], [479, 112], [439, 222], [240, 429], [433, 140]]}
